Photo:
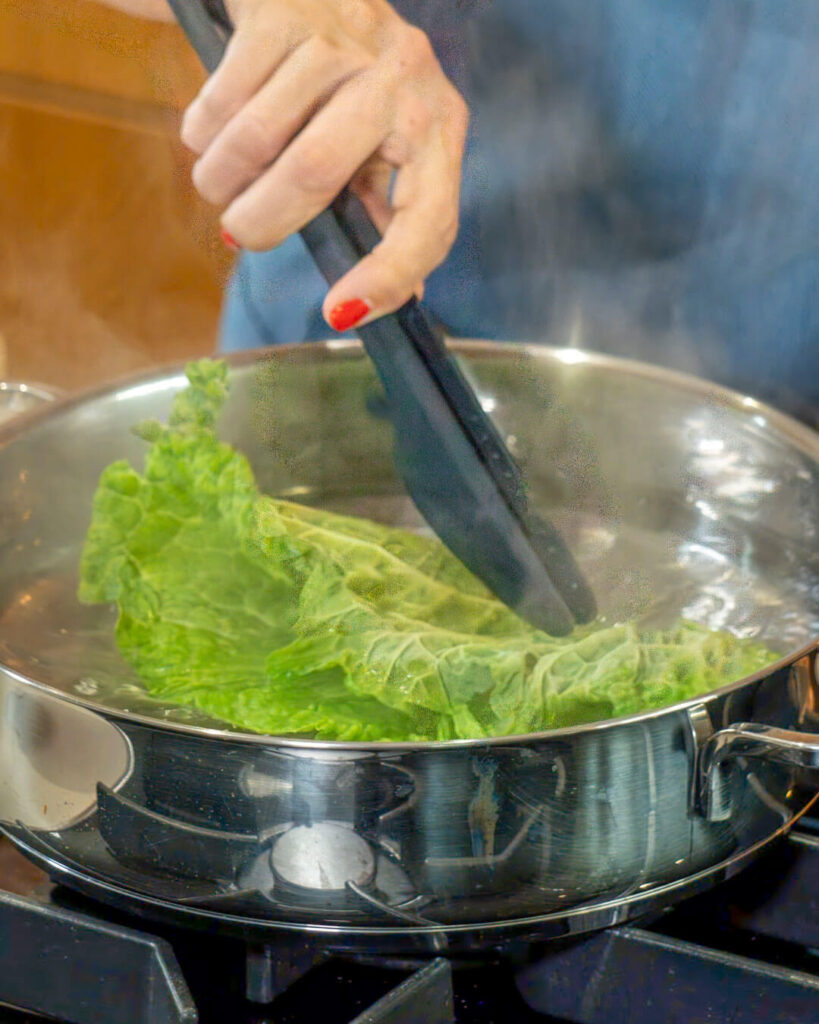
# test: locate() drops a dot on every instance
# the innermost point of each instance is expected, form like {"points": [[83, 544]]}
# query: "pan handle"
{"points": [[747, 739], [788, 747]]}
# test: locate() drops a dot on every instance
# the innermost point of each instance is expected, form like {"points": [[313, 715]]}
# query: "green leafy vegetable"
{"points": [[281, 618]]}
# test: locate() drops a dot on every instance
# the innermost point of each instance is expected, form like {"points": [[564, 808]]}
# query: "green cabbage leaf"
{"points": [[280, 618]]}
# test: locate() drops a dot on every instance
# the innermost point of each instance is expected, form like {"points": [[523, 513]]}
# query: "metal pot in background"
{"points": [[17, 398], [679, 497]]}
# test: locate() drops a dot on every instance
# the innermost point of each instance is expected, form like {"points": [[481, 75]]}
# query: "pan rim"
{"points": [[383, 747], [799, 435]]}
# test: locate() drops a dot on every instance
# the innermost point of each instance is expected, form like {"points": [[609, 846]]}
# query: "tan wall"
{"points": [[108, 261]]}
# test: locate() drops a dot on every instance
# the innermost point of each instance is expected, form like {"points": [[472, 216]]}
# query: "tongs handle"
{"points": [[327, 237], [454, 462], [410, 324]]}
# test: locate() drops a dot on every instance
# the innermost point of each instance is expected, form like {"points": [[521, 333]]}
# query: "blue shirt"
{"points": [[641, 178]]}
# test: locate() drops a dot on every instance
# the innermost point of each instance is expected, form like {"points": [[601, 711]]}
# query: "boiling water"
{"points": [[679, 501], [638, 574]]}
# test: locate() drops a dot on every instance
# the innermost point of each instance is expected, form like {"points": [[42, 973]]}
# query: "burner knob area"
{"points": [[324, 857]]}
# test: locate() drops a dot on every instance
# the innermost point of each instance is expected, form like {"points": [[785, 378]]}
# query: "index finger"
{"points": [[251, 57], [423, 229]]}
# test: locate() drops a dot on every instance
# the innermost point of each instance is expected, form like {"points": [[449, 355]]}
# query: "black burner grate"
{"points": [[747, 953]]}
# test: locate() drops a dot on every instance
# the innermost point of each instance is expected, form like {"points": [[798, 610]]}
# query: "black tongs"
{"points": [[451, 457]]}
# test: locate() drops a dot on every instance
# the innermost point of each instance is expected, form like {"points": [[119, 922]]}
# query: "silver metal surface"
{"points": [[17, 398], [784, 746], [327, 855], [735, 744], [680, 499], [395, 936]]}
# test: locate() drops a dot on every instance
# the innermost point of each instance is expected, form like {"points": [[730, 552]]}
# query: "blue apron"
{"points": [[641, 178]]}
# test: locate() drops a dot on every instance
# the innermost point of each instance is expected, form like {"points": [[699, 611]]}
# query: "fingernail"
{"points": [[347, 314], [228, 239]]}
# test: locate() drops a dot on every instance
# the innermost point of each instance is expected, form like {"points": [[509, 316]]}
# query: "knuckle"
{"points": [[239, 155], [190, 132], [413, 49], [246, 230], [457, 111], [323, 49], [211, 107], [364, 17], [204, 182], [253, 140], [416, 116], [449, 232], [340, 57], [316, 167]]}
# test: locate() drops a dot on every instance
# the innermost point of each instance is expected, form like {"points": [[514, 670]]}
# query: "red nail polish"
{"points": [[347, 314], [228, 239]]}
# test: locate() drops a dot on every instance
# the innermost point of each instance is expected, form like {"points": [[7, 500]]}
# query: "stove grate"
{"points": [[745, 953]]}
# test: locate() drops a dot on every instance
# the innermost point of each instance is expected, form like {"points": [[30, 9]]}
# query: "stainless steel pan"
{"points": [[680, 499]]}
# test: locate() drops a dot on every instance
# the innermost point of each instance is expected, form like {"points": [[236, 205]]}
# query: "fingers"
{"points": [[250, 59], [372, 184], [255, 136], [418, 237], [303, 106], [311, 171]]}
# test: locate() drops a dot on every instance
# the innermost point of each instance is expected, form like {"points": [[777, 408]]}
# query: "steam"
{"points": [[641, 180]]}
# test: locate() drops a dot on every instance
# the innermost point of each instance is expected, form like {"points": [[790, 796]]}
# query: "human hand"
{"points": [[313, 95]]}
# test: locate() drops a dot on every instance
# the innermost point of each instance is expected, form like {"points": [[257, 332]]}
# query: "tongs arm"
{"points": [[450, 455]]}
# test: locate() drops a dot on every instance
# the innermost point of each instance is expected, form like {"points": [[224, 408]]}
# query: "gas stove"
{"points": [[745, 952]]}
